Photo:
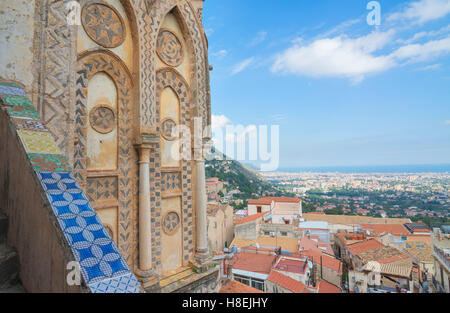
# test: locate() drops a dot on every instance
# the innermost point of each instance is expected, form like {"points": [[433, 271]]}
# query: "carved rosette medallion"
{"points": [[169, 48], [171, 223], [103, 24], [167, 126], [102, 119]]}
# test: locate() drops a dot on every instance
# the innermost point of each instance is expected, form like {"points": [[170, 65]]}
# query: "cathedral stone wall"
{"points": [[108, 87], [17, 21]]}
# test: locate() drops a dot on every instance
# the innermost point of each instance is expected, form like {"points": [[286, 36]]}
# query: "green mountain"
{"points": [[243, 182]]}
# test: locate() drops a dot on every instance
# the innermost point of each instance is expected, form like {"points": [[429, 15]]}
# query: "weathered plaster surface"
{"points": [[16, 41]]}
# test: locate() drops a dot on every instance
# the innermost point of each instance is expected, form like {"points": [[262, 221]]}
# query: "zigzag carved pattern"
{"points": [[56, 57], [170, 78], [200, 55], [87, 67]]}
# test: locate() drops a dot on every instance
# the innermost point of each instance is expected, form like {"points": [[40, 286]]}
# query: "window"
{"points": [[249, 281], [258, 284], [283, 233], [266, 233], [258, 209], [242, 279]]}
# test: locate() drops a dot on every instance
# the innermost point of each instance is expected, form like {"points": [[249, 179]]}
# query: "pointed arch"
{"points": [[152, 15]]}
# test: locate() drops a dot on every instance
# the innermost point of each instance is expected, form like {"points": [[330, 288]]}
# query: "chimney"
{"points": [[198, 7]]}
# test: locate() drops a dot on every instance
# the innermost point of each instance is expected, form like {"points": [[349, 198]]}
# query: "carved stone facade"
{"points": [[119, 82]]}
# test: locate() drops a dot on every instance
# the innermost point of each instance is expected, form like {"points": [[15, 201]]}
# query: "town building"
{"points": [[441, 258], [220, 226], [283, 210]]}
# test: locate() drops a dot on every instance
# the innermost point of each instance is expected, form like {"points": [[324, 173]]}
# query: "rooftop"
{"points": [[354, 220], [323, 259], [251, 218], [364, 246], [326, 287], [253, 262], [233, 286], [421, 251], [268, 200], [289, 244], [384, 254], [292, 265], [287, 282], [394, 229]]}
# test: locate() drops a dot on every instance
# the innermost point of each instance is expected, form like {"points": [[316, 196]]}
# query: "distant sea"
{"points": [[427, 168]]}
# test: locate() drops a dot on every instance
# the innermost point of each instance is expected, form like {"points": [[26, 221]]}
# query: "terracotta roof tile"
{"points": [[251, 218], [289, 244], [327, 261], [233, 286], [268, 200], [354, 220], [364, 246], [287, 282], [253, 262], [394, 229], [326, 287]]}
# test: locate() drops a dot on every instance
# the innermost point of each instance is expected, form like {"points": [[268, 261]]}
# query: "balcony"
{"points": [[442, 256]]}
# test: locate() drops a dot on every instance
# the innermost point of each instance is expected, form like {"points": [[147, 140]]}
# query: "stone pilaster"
{"points": [[145, 269], [202, 250]]}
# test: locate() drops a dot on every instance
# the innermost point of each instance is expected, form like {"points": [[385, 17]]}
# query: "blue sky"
{"points": [[343, 92]]}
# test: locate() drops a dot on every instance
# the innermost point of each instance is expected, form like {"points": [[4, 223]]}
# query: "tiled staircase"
{"points": [[9, 262]]}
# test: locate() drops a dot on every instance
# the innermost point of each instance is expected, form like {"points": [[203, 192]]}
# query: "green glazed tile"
{"points": [[49, 162]]}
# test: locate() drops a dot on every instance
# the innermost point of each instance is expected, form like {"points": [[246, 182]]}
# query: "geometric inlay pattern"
{"points": [[49, 162], [102, 119], [103, 24], [19, 106], [170, 78], [90, 244], [171, 182], [169, 48], [102, 188], [11, 91], [92, 247], [33, 125], [171, 222], [88, 66], [38, 142], [167, 127], [123, 284]]}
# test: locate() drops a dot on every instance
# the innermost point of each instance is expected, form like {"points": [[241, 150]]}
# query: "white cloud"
{"points": [[260, 37], [431, 67], [422, 52], [434, 33], [220, 54], [219, 121], [423, 11], [447, 122], [336, 57], [242, 65]]}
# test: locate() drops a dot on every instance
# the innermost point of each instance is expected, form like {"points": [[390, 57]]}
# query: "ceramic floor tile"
{"points": [[38, 142], [123, 284], [91, 245], [49, 162], [27, 124], [11, 91]]}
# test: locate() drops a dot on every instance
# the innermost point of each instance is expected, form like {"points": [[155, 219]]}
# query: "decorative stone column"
{"points": [[202, 251], [144, 271]]}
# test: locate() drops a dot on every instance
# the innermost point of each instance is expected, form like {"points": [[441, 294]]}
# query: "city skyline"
{"points": [[343, 92]]}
